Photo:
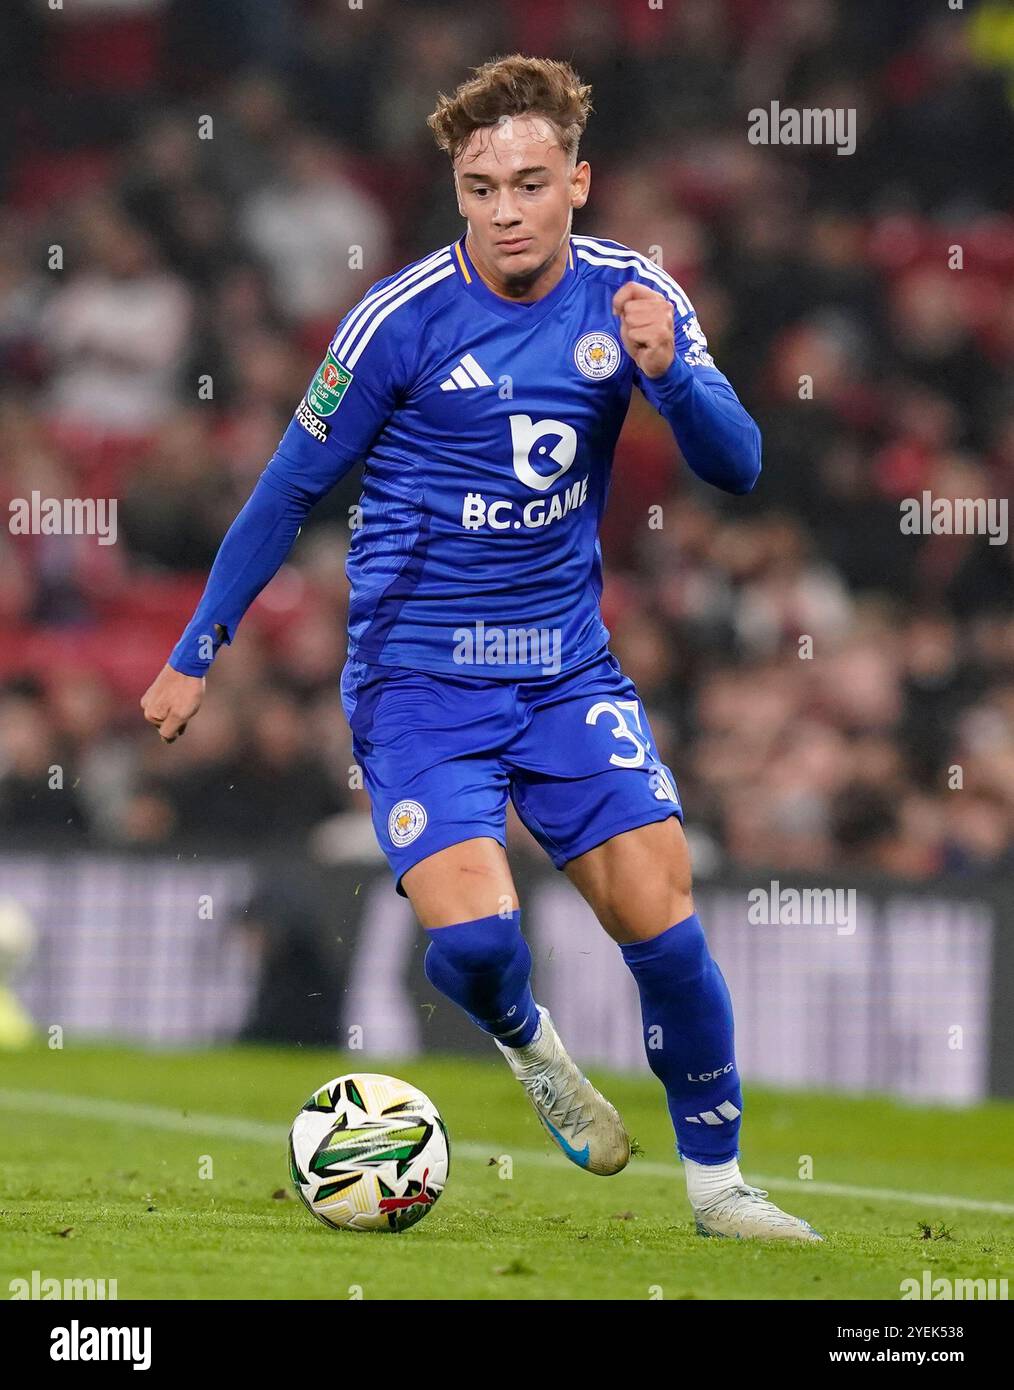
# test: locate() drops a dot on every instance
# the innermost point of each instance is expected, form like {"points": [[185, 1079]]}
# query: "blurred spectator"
{"points": [[38, 788], [317, 231], [115, 335], [299, 981]]}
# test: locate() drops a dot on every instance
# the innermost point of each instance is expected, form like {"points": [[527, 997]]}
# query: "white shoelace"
{"points": [[725, 1206], [561, 1108]]}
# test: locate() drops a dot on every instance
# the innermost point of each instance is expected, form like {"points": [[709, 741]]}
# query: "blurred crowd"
{"points": [[181, 183]]}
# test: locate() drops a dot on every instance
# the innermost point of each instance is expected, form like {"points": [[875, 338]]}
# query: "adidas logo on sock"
{"points": [[467, 374], [726, 1111]]}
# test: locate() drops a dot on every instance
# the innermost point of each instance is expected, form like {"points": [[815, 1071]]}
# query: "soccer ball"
{"points": [[369, 1153]]}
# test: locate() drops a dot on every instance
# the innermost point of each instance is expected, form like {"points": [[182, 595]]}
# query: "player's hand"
{"points": [[646, 327], [171, 700]]}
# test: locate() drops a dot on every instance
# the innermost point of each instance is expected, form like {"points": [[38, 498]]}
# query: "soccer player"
{"points": [[484, 388]]}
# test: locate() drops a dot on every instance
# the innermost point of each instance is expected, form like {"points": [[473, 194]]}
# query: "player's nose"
{"points": [[506, 213]]}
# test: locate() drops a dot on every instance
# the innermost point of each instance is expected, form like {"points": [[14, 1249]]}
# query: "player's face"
{"points": [[518, 193]]}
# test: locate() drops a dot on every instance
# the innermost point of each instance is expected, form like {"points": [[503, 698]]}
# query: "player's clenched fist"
{"points": [[646, 327], [171, 700]]}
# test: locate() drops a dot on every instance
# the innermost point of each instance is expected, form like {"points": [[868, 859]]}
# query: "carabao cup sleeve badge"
{"points": [[328, 386]]}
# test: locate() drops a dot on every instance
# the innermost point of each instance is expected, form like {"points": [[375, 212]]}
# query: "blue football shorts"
{"points": [[441, 753]]}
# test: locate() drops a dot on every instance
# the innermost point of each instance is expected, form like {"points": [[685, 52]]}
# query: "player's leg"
{"points": [[464, 896], [467, 880], [605, 808], [637, 883], [439, 805], [466, 902], [439, 812]]}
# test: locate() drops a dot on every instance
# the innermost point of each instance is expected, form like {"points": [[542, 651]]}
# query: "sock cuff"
{"points": [[492, 923], [671, 940]]}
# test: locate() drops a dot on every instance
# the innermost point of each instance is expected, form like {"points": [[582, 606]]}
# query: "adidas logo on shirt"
{"points": [[467, 374]]}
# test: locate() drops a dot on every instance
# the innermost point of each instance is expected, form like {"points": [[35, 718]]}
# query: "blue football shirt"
{"points": [[487, 431]]}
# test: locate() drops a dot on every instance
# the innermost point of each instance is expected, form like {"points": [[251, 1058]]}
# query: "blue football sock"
{"points": [[484, 967], [688, 1037]]}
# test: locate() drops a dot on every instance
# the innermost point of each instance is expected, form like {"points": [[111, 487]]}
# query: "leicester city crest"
{"points": [[406, 821], [597, 355]]}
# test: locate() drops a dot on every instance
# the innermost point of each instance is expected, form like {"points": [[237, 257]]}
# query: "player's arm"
{"points": [[334, 425], [717, 437]]}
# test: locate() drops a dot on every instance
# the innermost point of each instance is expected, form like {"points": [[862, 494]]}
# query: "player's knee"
{"points": [[664, 877], [677, 866], [679, 892], [490, 944], [663, 898]]}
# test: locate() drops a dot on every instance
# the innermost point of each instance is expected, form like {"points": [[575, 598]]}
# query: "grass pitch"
{"points": [[101, 1151]]}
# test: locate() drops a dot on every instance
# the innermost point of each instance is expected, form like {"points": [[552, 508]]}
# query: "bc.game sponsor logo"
{"points": [[505, 515]]}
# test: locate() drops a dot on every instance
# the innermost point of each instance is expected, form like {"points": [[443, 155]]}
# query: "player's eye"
{"points": [[531, 187]]}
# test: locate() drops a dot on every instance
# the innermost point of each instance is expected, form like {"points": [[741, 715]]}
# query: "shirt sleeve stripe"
{"points": [[357, 317], [379, 317], [611, 255]]}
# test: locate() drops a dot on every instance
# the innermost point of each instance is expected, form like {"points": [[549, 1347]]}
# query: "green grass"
{"points": [[103, 1196]]}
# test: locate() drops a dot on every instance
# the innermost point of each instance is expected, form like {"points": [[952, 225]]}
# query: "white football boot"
{"points": [[580, 1119], [742, 1213]]}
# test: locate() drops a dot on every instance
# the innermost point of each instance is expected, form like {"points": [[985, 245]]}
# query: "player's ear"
{"points": [[580, 184], [457, 194]]}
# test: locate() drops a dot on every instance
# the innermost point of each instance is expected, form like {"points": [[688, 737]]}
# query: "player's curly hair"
{"points": [[514, 86]]}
